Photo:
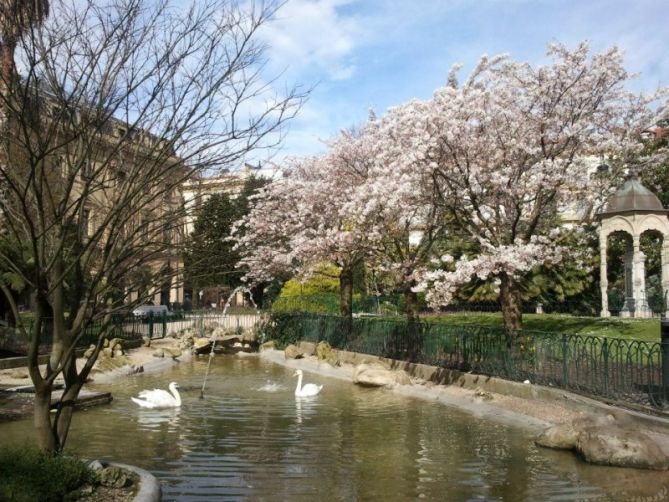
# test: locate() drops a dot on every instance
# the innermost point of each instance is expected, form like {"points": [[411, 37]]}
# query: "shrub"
{"points": [[28, 474], [283, 328]]}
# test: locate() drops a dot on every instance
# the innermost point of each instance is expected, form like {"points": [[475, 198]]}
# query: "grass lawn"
{"points": [[640, 329]]}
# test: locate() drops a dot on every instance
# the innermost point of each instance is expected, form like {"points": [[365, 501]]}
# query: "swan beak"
{"points": [[295, 374]]}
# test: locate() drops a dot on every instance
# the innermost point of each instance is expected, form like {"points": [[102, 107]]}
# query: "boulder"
{"points": [[620, 447], [323, 350], [120, 360], [187, 341], [95, 465], [89, 351], [606, 440], [228, 340], [271, 345], [292, 352], [564, 436], [172, 352], [159, 353], [378, 376], [115, 342], [560, 437], [201, 345], [106, 362]]}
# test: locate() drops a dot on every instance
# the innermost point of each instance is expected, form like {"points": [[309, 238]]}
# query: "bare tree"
{"points": [[118, 104]]}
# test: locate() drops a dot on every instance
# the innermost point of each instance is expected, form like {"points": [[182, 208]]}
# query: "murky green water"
{"points": [[249, 439]]}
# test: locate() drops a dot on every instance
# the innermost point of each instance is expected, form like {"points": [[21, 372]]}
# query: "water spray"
{"points": [[213, 340]]}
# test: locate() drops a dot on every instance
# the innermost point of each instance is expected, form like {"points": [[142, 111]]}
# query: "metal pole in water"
{"points": [[206, 373], [664, 351]]}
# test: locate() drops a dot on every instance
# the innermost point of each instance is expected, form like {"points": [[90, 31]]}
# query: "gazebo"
{"points": [[633, 209]]}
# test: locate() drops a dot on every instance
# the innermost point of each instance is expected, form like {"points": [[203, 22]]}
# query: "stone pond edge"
{"points": [[149, 486], [471, 381]]}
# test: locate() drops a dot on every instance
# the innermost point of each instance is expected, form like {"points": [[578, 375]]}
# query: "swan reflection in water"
{"points": [[304, 407], [154, 419]]}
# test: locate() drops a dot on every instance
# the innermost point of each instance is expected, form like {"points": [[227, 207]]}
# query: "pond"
{"points": [[250, 439]]}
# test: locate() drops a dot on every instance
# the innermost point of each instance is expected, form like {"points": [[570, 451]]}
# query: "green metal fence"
{"points": [[17, 341], [619, 370]]}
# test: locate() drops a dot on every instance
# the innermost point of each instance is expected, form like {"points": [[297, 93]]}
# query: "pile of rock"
{"points": [[323, 351], [225, 340], [111, 356]]}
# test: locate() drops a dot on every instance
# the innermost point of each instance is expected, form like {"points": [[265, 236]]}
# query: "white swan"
{"points": [[309, 389], [159, 398]]}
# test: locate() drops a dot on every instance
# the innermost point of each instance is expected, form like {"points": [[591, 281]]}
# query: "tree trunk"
{"points": [[7, 62], [46, 440], [64, 412], [411, 303], [346, 292], [511, 305], [6, 78]]}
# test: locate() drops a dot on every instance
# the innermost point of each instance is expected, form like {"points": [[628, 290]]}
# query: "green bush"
{"points": [[28, 474], [284, 328]]}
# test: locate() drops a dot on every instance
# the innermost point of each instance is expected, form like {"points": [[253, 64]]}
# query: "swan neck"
{"points": [[177, 396], [299, 382]]}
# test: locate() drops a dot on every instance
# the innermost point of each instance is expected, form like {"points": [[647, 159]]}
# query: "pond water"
{"points": [[250, 439]]}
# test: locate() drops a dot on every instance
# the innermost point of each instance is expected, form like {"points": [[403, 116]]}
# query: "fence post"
{"points": [[565, 361], [664, 350], [605, 357], [150, 325], [164, 322]]}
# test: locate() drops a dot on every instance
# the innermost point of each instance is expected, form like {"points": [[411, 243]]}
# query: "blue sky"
{"points": [[362, 54]]}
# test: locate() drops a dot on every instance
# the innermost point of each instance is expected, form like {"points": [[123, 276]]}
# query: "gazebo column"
{"points": [[665, 273], [603, 276], [628, 262], [639, 280]]}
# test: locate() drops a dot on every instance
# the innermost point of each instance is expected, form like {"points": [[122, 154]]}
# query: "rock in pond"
{"points": [[604, 441], [620, 447], [378, 376], [270, 345], [292, 352]]}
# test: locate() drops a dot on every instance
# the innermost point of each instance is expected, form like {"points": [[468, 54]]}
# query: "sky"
{"points": [[373, 54]]}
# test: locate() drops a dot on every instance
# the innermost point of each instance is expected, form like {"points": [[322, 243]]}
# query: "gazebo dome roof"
{"points": [[632, 197]]}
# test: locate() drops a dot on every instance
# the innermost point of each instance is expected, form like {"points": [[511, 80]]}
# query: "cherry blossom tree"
{"points": [[509, 152], [309, 217], [398, 201], [496, 160]]}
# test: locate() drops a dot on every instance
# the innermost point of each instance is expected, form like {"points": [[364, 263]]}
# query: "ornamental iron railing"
{"points": [[616, 370]]}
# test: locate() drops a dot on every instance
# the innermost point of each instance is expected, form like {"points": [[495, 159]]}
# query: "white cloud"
{"points": [[313, 35]]}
